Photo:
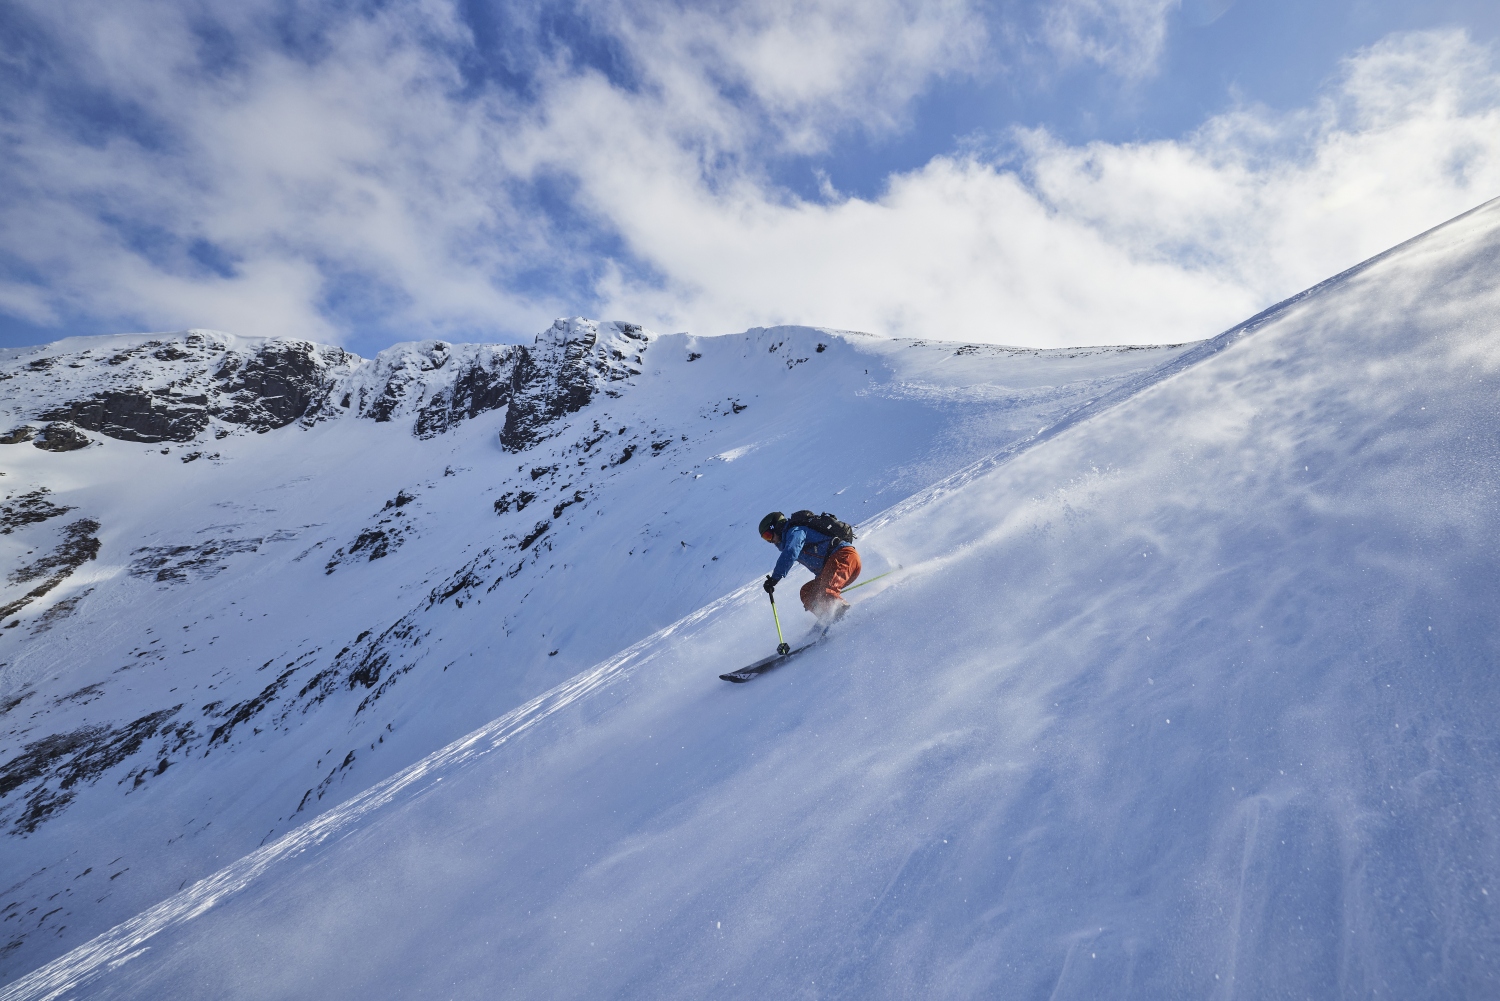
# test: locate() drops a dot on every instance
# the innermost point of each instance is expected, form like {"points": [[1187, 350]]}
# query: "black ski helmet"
{"points": [[771, 524]]}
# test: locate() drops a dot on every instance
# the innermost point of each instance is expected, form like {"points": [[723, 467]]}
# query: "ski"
{"points": [[765, 664]]}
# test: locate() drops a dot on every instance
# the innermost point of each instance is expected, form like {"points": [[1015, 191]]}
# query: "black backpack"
{"points": [[825, 523]]}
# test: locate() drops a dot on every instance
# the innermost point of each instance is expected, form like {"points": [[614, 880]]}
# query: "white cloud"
{"points": [[810, 68], [1118, 243], [1124, 36], [1272, 203], [358, 163], [364, 166], [366, 177]]}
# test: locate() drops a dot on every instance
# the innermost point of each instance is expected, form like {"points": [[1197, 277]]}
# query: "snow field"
{"points": [[1193, 700], [854, 427]]}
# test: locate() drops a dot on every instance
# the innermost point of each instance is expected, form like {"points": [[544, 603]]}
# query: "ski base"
{"points": [[760, 667]]}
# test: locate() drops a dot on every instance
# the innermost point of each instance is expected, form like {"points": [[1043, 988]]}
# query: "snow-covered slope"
{"points": [[271, 573], [1194, 699]]}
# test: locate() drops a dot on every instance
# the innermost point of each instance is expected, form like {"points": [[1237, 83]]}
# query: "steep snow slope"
{"points": [[1196, 699], [277, 573]]}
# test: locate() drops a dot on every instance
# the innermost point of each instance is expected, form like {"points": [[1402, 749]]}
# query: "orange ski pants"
{"points": [[821, 594]]}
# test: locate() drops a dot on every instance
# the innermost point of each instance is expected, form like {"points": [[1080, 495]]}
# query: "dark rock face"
{"points": [[517, 499], [61, 436], [542, 397], [173, 389], [434, 384], [407, 378], [444, 384], [478, 389], [277, 385], [132, 415], [569, 364]]}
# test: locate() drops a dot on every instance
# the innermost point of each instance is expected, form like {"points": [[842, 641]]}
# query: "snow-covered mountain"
{"points": [[247, 579], [1188, 692]]}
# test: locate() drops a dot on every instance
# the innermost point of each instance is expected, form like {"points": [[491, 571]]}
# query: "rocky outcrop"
{"points": [[477, 388], [567, 366], [61, 436], [134, 415], [50, 772], [436, 385], [171, 387], [277, 384], [28, 509], [79, 544], [433, 384], [182, 387]]}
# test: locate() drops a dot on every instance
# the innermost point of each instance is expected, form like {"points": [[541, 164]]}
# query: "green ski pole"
{"points": [[783, 647]]}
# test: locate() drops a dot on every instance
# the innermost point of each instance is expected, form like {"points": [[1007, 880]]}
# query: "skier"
{"points": [[821, 547]]}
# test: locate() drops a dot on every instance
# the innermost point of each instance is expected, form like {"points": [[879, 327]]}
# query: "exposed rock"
{"points": [[175, 564], [571, 362], [28, 509], [517, 499], [243, 711], [563, 505], [373, 663], [78, 546], [477, 388], [56, 764], [433, 383], [7, 704], [373, 540], [430, 358], [173, 388], [61, 436], [170, 388], [278, 384], [133, 415], [377, 541]]}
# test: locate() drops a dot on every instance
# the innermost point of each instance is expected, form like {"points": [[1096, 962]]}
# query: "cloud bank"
{"points": [[393, 172]]}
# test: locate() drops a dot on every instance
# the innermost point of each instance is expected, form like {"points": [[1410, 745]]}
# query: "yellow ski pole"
{"points": [[782, 647], [871, 580]]}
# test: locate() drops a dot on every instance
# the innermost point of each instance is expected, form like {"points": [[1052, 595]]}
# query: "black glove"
{"points": [[770, 585]]}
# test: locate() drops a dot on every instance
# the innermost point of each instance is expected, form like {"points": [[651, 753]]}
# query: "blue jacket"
{"points": [[801, 544]]}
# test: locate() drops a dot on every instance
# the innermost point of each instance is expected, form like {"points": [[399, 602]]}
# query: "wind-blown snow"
{"points": [[1192, 699], [272, 621]]}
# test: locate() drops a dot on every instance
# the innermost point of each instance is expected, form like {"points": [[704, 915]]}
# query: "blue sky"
{"points": [[1079, 171]]}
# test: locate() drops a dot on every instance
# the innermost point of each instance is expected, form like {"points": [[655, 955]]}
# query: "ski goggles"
{"points": [[769, 535]]}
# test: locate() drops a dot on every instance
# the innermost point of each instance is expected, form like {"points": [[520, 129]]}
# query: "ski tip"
{"points": [[734, 678]]}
